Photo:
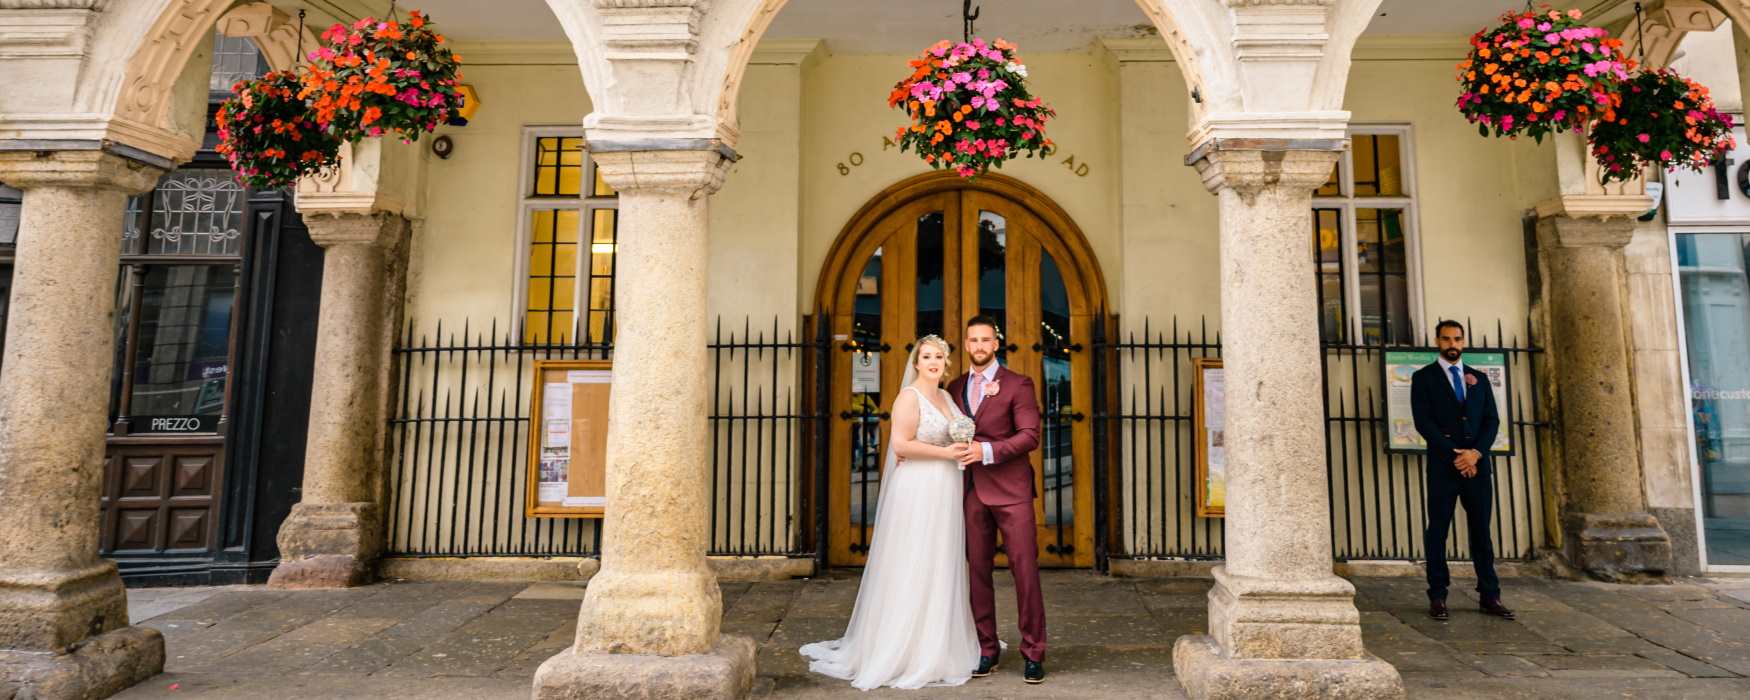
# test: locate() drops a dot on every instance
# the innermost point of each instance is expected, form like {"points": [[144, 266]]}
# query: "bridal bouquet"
{"points": [[962, 430]]}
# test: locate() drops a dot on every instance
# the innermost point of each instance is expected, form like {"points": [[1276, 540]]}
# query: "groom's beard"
{"points": [[984, 361]]}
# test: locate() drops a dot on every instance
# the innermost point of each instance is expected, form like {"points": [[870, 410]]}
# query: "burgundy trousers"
{"points": [[1020, 540]]}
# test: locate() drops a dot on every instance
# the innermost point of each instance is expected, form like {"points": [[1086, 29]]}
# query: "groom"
{"points": [[999, 495]]}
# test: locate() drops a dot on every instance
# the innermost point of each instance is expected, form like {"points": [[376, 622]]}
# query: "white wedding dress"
{"points": [[912, 626]]}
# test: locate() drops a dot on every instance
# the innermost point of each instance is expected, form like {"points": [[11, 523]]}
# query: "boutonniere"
{"points": [[1470, 379], [991, 389]]}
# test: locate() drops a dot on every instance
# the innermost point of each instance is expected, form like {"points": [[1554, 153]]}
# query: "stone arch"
{"points": [[1665, 26], [146, 94], [273, 30]]}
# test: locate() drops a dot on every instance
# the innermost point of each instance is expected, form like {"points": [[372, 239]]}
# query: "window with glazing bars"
{"points": [[569, 217], [1363, 243]]}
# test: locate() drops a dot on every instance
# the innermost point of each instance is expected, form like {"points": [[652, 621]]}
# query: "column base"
{"points": [[1618, 547], [1206, 674], [1256, 618], [328, 545], [50, 610], [97, 667], [726, 672]]}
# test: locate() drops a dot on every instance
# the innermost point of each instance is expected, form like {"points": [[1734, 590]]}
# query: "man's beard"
{"points": [[980, 361], [1451, 354]]}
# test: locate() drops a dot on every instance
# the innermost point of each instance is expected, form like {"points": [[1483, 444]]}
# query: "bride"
{"points": [[912, 626]]}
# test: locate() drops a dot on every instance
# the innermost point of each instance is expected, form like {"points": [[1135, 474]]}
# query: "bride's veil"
{"points": [[891, 459]]}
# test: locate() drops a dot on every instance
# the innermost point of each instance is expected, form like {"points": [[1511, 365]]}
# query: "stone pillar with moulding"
{"points": [[1606, 529], [649, 622], [1278, 615], [359, 215], [63, 612]]}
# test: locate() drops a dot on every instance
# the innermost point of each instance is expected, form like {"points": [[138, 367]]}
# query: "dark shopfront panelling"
{"points": [[162, 525]]}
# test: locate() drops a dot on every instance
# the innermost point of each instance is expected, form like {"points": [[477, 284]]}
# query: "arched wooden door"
{"points": [[922, 258]]}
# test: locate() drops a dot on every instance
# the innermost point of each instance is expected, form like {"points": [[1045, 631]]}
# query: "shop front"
{"points": [[1709, 216]]}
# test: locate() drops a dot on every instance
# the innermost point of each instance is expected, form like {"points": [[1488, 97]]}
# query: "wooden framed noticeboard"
{"points": [[568, 439], [1400, 365], [1209, 416]]}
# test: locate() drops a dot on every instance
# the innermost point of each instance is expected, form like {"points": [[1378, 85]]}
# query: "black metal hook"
{"points": [[1641, 36], [968, 15], [299, 59]]}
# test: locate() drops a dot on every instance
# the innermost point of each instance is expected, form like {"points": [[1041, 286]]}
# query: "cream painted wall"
{"points": [[845, 112], [464, 258], [755, 218], [1149, 219], [465, 253], [1472, 192]]}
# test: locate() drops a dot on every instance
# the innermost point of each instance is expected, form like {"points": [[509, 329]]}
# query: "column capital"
{"points": [[1568, 231], [375, 230], [697, 169], [79, 168], [1250, 165]]}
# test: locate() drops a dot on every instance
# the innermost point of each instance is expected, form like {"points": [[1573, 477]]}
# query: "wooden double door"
{"points": [[922, 259]]}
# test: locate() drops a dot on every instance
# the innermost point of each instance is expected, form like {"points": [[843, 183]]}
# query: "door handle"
{"points": [[849, 416], [853, 347]]}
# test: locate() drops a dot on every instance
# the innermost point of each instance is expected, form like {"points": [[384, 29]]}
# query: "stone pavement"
{"points": [[1110, 638]]}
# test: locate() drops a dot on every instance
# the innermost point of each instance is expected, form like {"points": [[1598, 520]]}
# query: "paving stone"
{"points": [[1685, 665], [1587, 662], [1507, 666], [490, 641], [551, 591]]}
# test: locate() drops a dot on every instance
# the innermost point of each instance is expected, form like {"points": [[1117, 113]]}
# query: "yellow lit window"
{"points": [[567, 294]]}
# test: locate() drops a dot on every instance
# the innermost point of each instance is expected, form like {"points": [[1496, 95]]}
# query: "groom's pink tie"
{"points": [[977, 391]]}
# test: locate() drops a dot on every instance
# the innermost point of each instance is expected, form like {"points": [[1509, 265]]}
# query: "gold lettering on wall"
{"points": [[856, 159]]}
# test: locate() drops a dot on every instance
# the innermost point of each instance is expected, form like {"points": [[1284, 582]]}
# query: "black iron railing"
{"points": [[1377, 497], [457, 445]]}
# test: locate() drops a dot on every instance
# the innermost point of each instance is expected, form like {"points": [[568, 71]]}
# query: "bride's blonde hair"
{"points": [[939, 343]]}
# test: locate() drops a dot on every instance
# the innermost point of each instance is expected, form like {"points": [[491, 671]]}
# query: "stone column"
{"points": [[334, 534], [1607, 530], [63, 613], [649, 623], [1278, 617]]}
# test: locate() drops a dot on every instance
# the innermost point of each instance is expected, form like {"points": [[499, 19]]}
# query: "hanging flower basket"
{"points": [[970, 109], [382, 76], [1664, 120], [1538, 73], [269, 134]]}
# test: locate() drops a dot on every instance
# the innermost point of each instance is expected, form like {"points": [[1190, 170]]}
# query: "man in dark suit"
{"points": [[1454, 409], [999, 496]]}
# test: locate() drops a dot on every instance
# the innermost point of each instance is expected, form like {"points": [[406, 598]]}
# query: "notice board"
{"points": [[568, 439], [1209, 415], [1401, 365]]}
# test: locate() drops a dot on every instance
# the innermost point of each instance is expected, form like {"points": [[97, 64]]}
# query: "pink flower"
{"points": [[1544, 27], [1574, 13], [1643, 138], [1526, 23], [1664, 155]]}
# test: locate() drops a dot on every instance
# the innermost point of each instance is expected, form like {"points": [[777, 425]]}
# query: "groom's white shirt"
{"points": [[990, 376]]}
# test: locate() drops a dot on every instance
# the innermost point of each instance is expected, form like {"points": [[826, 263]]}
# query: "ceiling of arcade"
{"points": [[902, 26]]}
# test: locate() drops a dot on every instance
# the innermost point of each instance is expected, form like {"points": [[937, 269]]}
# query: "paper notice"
{"points": [[558, 432]]}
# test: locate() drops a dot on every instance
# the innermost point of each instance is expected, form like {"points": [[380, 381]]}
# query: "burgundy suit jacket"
{"points": [[1008, 421]]}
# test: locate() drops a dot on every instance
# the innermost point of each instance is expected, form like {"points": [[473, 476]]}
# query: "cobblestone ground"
{"points": [[1110, 638]]}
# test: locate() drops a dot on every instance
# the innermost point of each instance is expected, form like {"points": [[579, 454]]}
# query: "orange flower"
{"points": [[371, 115]]}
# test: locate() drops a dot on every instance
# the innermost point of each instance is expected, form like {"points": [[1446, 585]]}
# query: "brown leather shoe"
{"points": [[1437, 610], [1493, 606]]}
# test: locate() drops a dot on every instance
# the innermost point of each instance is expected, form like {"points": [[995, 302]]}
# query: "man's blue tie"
{"points": [[1457, 383]]}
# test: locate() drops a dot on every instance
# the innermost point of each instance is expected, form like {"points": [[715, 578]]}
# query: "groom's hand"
{"points": [[969, 453]]}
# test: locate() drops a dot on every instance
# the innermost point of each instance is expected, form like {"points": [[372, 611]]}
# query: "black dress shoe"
{"points": [[1493, 606], [1034, 673], [986, 664], [1437, 610]]}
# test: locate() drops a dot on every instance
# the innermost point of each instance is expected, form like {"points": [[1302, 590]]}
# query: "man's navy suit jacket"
{"points": [[1445, 424]]}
